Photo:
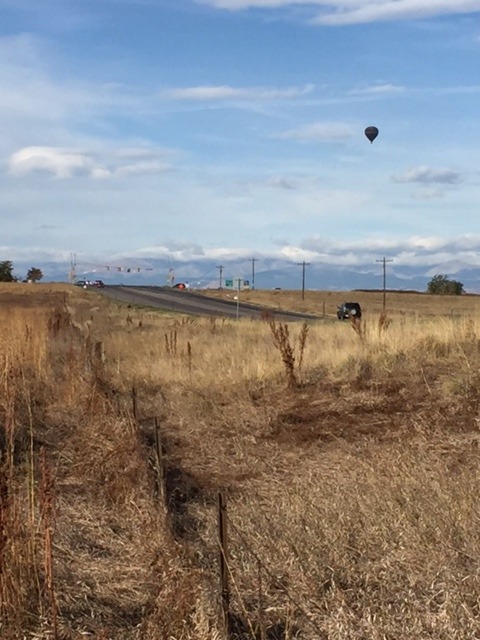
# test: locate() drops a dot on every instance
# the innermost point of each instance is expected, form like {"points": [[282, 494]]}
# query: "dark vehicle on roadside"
{"points": [[98, 283], [349, 310]]}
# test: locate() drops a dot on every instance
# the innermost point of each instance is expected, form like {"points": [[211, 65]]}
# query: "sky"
{"points": [[222, 129]]}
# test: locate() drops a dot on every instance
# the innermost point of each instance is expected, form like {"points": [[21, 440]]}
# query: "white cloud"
{"points": [[226, 92], [342, 12], [68, 163], [414, 251], [142, 168], [347, 12], [315, 131], [378, 90], [428, 175], [437, 253], [62, 163]]}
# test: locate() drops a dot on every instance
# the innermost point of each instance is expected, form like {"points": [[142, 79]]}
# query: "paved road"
{"points": [[195, 303]]}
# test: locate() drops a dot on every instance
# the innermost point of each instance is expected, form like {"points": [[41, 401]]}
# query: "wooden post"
{"points": [[99, 352], [260, 601], [223, 538], [160, 462], [324, 308], [134, 404]]}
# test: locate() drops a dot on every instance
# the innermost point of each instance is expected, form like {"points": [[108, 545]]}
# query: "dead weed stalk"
{"points": [[47, 505], [171, 342], [384, 322], [302, 341], [356, 324], [281, 340]]}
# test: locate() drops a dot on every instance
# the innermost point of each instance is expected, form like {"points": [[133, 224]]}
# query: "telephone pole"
{"points": [[303, 265], [237, 297], [384, 262], [72, 274], [253, 272], [220, 267]]}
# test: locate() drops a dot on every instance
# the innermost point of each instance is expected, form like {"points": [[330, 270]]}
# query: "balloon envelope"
{"points": [[371, 133]]}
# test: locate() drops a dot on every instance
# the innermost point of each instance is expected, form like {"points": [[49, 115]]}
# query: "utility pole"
{"points": [[237, 297], [384, 262], [220, 267], [72, 276], [303, 265], [253, 272]]}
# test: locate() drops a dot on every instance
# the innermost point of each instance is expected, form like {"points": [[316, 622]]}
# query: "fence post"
{"points": [[160, 462], [134, 404], [223, 537], [260, 601], [99, 351]]}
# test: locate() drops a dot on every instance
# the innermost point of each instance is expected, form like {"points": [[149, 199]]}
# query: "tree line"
{"points": [[34, 274]]}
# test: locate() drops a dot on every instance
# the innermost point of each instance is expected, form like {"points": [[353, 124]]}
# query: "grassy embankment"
{"points": [[352, 495]]}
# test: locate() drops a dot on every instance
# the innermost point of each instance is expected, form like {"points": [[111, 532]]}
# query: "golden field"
{"points": [[349, 456]]}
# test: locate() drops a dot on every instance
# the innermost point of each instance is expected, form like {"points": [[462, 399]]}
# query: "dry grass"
{"points": [[352, 494], [325, 303]]}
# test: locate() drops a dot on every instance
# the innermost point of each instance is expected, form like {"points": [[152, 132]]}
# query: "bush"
{"points": [[444, 286]]}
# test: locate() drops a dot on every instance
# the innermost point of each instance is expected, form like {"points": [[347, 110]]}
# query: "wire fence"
{"points": [[254, 601]]}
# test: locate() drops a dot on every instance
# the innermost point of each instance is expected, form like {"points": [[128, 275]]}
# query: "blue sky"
{"points": [[229, 128]]}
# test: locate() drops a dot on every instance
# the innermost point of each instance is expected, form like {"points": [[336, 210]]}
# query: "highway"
{"points": [[189, 302]]}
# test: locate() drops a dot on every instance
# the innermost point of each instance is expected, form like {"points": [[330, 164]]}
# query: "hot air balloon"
{"points": [[371, 133]]}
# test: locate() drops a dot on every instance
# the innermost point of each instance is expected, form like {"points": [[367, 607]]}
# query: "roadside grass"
{"points": [[352, 494], [202, 352], [326, 302]]}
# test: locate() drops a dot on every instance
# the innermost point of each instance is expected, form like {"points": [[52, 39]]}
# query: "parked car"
{"points": [[349, 310], [89, 283]]}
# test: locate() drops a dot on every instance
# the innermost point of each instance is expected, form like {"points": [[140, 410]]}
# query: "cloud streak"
{"points": [[428, 175], [378, 90], [318, 131], [344, 12], [226, 92]]}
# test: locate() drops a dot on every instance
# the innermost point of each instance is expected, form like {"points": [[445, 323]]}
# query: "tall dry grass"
{"points": [[204, 353], [85, 550]]}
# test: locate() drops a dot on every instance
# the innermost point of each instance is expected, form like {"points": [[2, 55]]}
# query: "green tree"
{"points": [[442, 285], [6, 271], [34, 274]]}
